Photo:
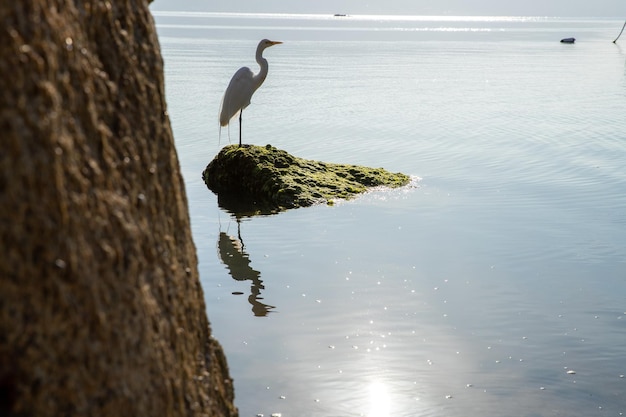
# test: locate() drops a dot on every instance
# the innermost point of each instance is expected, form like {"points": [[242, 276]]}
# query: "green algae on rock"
{"points": [[271, 179]]}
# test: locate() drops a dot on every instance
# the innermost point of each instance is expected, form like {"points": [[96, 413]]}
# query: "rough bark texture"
{"points": [[101, 309]]}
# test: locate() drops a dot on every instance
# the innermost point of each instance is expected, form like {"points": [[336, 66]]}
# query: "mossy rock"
{"points": [[266, 179]]}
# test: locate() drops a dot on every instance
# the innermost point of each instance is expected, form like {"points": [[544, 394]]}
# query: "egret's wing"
{"points": [[237, 95]]}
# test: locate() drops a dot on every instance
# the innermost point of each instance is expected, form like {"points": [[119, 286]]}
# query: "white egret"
{"points": [[241, 87]]}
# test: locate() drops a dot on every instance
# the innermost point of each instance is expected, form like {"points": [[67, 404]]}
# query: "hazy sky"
{"points": [[602, 8]]}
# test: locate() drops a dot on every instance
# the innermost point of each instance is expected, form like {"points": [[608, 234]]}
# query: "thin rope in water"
{"points": [[620, 33]]}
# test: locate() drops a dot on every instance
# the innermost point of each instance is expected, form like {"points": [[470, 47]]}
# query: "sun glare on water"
{"points": [[380, 402]]}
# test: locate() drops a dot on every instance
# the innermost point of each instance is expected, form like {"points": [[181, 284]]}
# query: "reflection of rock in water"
{"points": [[237, 261]]}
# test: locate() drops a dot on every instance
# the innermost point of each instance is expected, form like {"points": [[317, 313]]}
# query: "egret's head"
{"points": [[266, 43]]}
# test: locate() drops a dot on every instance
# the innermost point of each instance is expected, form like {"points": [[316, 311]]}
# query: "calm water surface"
{"points": [[495, 285]]}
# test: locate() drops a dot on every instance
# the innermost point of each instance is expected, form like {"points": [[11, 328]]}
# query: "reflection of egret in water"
{"points": [[237, 261]]}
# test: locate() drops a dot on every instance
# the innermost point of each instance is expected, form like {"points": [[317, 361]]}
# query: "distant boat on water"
{"points": [[339, 15], [568, 40]]}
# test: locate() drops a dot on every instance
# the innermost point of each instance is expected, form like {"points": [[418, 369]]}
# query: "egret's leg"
{"points": [[240, 113]]}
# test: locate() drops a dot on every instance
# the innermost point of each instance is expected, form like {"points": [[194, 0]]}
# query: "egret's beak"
{"points": [[275, 42]]}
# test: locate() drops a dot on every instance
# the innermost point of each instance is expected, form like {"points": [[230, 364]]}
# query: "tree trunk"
{"points": [[101, 308]]}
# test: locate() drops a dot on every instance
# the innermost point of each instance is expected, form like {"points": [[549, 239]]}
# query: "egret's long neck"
{"points": [[260, 76]]}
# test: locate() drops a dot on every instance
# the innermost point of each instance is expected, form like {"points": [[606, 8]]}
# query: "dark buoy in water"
{"points": [[568, 40]]}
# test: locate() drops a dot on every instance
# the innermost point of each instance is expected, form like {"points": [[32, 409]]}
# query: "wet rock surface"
{"points": [[267, 179]]}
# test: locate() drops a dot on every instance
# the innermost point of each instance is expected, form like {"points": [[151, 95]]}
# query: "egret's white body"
{"points": [[241, 87]]}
